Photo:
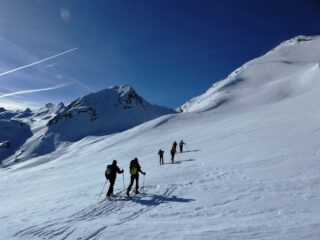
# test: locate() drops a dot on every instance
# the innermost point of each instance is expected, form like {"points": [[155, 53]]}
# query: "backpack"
{"points": [[133, 167], [134, 170], [108, 171]]}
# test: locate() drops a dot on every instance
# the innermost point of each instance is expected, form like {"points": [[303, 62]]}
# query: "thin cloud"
{"points": [[12, 105], [37, 62], [32, 91]]}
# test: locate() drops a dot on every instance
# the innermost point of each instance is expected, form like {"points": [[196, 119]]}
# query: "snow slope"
{"points": [[247, 174], [290, 70]]}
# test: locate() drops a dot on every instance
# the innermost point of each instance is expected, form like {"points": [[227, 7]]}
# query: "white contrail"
{"points": [[37, 62], [52, 67], [32, 91]]}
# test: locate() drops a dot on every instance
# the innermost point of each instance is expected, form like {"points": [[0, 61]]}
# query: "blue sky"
{"points": [[169, 51]]}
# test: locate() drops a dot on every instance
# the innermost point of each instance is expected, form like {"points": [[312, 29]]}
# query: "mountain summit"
{"points": [[108, 111]]}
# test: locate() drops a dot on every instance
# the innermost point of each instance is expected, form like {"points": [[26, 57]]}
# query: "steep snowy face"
{"points": [[14, 133], [20, 127], [290, 70], [111, 110]]}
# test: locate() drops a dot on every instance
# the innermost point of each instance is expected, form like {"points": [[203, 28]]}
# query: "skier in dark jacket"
{"points": [[173, 151], [181, 145], [134, 171], [111, 174], [174, 145], [160, 153]]}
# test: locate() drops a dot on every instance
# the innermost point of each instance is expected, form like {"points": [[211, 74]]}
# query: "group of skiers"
{"points": [[135, 169], [173, 151], [113, 169]]}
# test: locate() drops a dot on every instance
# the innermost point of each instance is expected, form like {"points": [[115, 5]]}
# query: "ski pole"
{"points": [[124, 185], [102, 189], [143, 182]]}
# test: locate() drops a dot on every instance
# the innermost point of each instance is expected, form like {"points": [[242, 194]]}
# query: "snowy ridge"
{"points": [[289, 70], [111, 110]]}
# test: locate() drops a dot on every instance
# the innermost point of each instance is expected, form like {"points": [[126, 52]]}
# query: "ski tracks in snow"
{"points": [[90, 222], [93, 221], [154, 200]]}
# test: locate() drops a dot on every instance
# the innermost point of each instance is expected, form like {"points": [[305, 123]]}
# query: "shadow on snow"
{"points": [[154, 199], [180, 161], [187, 151]]}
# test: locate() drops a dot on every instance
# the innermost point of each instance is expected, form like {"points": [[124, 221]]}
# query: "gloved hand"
{"points": [[144, 173]]}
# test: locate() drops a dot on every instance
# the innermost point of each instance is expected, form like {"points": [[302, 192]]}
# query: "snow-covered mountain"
{"points": [[13, 135], [250, 169], [290, 70], [112, 110], [18, 127]]}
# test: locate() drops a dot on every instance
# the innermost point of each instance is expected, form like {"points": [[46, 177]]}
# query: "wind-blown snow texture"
{"points": [[251, 169]]}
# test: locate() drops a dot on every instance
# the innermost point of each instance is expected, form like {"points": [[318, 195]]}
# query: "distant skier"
{"points": [[160, 153], [173, 151], [111, 174], [134, 171], [181, 145], [174, 145]]}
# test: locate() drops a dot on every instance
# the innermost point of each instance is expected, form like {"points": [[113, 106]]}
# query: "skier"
{"points": [[160, 153], [134, 171], [173, 153], [181, 145], [174, 145], [111, 174]]}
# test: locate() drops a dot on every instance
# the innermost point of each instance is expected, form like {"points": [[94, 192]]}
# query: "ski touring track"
{"points": [[64, 228], [93, 221]]}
